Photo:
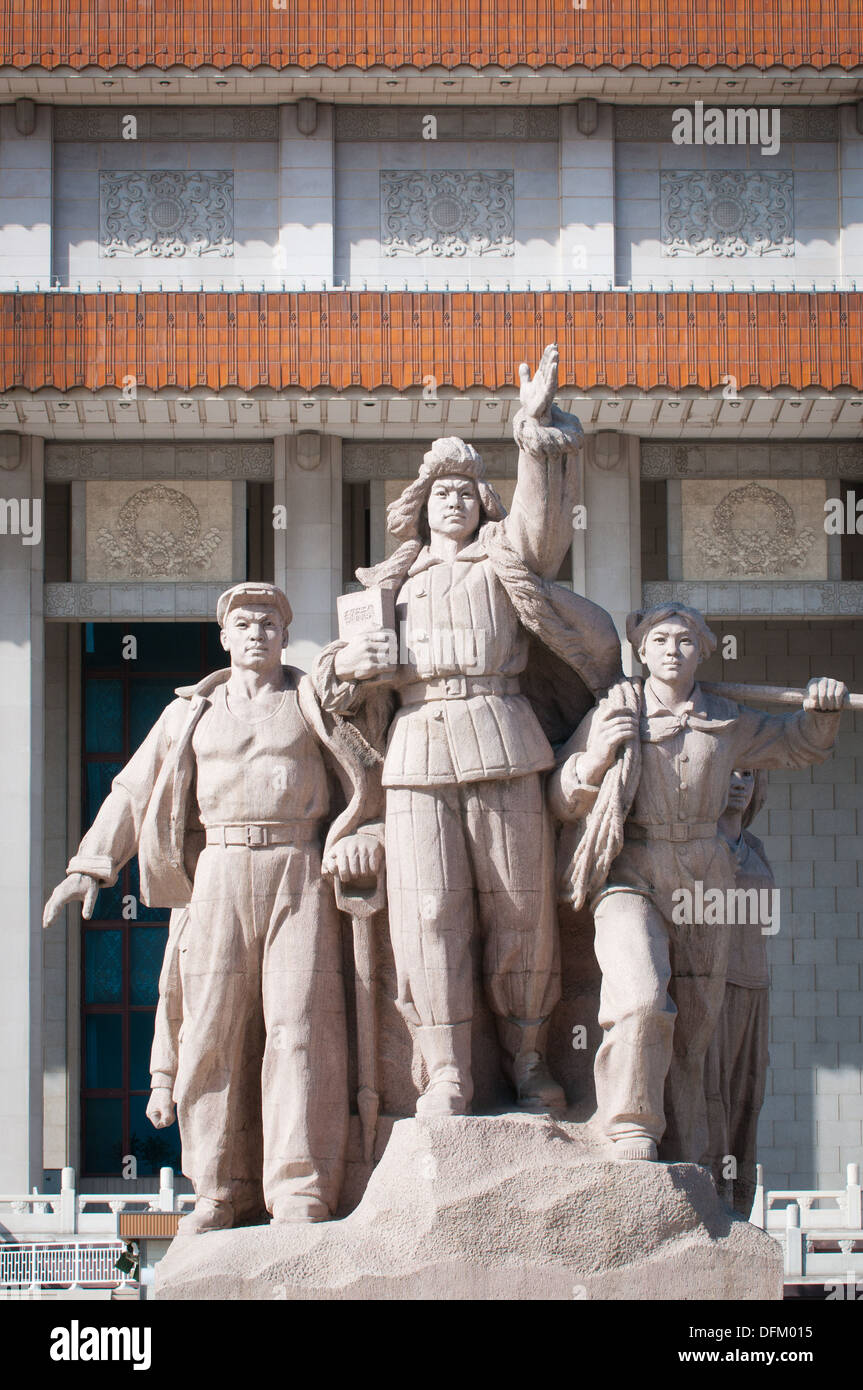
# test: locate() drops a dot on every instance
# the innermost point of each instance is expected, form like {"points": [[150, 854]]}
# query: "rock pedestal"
{"points": [[495, 1207]]}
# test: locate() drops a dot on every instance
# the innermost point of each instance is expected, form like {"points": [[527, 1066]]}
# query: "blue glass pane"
{"points": [[153, 1148], [147, 699], [103, 725], [109, 904], [103, 1136], [146, 949], [140, 1042], [98, 779], [103, 967], [217, 657], [158, 646], [103, 1052], [145, 914]]}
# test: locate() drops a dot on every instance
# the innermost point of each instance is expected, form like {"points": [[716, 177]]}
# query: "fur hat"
{"points": [[450, 457]]}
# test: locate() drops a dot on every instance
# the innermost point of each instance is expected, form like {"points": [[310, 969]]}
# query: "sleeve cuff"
{"points": [[817, 730], [336, 696], [571, 782], [161, 1081], [96, 865]]}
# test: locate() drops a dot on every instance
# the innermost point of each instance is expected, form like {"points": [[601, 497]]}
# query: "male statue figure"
{"points": [[225, 803], [650, 828], [735, 1072], [489, 646]]}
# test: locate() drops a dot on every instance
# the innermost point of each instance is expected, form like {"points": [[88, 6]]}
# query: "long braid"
{"points": [[601, 838]]}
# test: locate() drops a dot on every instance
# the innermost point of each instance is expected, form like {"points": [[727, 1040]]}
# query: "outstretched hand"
{"points": [[538, 392], [76, 886]]}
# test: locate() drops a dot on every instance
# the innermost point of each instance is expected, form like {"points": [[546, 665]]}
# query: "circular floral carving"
{"points": [[753, 531], [164, 552]]}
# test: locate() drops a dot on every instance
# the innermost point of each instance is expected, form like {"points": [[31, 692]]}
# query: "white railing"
{"points": [[76, 1264], [821, 1232], [74, 1213]]}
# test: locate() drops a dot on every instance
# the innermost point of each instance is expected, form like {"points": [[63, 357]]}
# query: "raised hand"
{"points": [[538, 392]]}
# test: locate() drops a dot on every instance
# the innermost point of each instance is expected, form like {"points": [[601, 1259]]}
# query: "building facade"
{"points": [[249, 267]]}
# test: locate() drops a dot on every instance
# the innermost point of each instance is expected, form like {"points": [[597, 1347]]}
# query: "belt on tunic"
{"points": [[289, 832], [677, 831], [458, 688]]}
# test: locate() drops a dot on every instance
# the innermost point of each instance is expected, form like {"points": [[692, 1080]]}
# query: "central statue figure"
{"points": [[494, 661]]}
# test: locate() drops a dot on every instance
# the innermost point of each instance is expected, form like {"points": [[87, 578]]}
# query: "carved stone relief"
{"points": [[453, 123], [71, 462], [746, 599], [447, 212], [166, 212], [153, 531], [664, 459], [727, 212], [656, 122], [762, 530], [74, 123], [361, 462]]}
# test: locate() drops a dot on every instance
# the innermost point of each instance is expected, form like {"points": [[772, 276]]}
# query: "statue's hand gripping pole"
{"points": [[773, 694], [361, 900]]}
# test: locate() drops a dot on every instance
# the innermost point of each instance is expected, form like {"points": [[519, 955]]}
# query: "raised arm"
{"points": [[539, 525]]}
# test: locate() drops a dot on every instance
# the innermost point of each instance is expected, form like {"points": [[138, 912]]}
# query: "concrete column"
{"points": [[607, 553], [306, 196], [26, 171], [851, 192], [21, 812], [57, 1097], [587, 196], [308, 548]]}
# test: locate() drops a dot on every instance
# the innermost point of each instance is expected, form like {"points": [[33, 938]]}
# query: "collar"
{"points": [[740, 849], [707, 713], [653, 704], [475, 551], [208, 684]]}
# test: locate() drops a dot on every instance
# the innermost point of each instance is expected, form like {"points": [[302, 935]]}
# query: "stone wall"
{"points": [[812, 1122]]}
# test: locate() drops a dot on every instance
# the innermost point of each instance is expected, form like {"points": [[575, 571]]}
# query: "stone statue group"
{"points": [[491, 761]]}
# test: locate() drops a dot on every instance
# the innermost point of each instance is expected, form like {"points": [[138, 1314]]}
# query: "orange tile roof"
{"points": [[370, 340], [425, 33]]}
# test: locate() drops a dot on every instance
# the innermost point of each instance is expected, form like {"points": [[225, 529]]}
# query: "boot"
{"points": [[300, 1208], [635, 1146], [209, 1215], [446, 1051], [524, 1063]]}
